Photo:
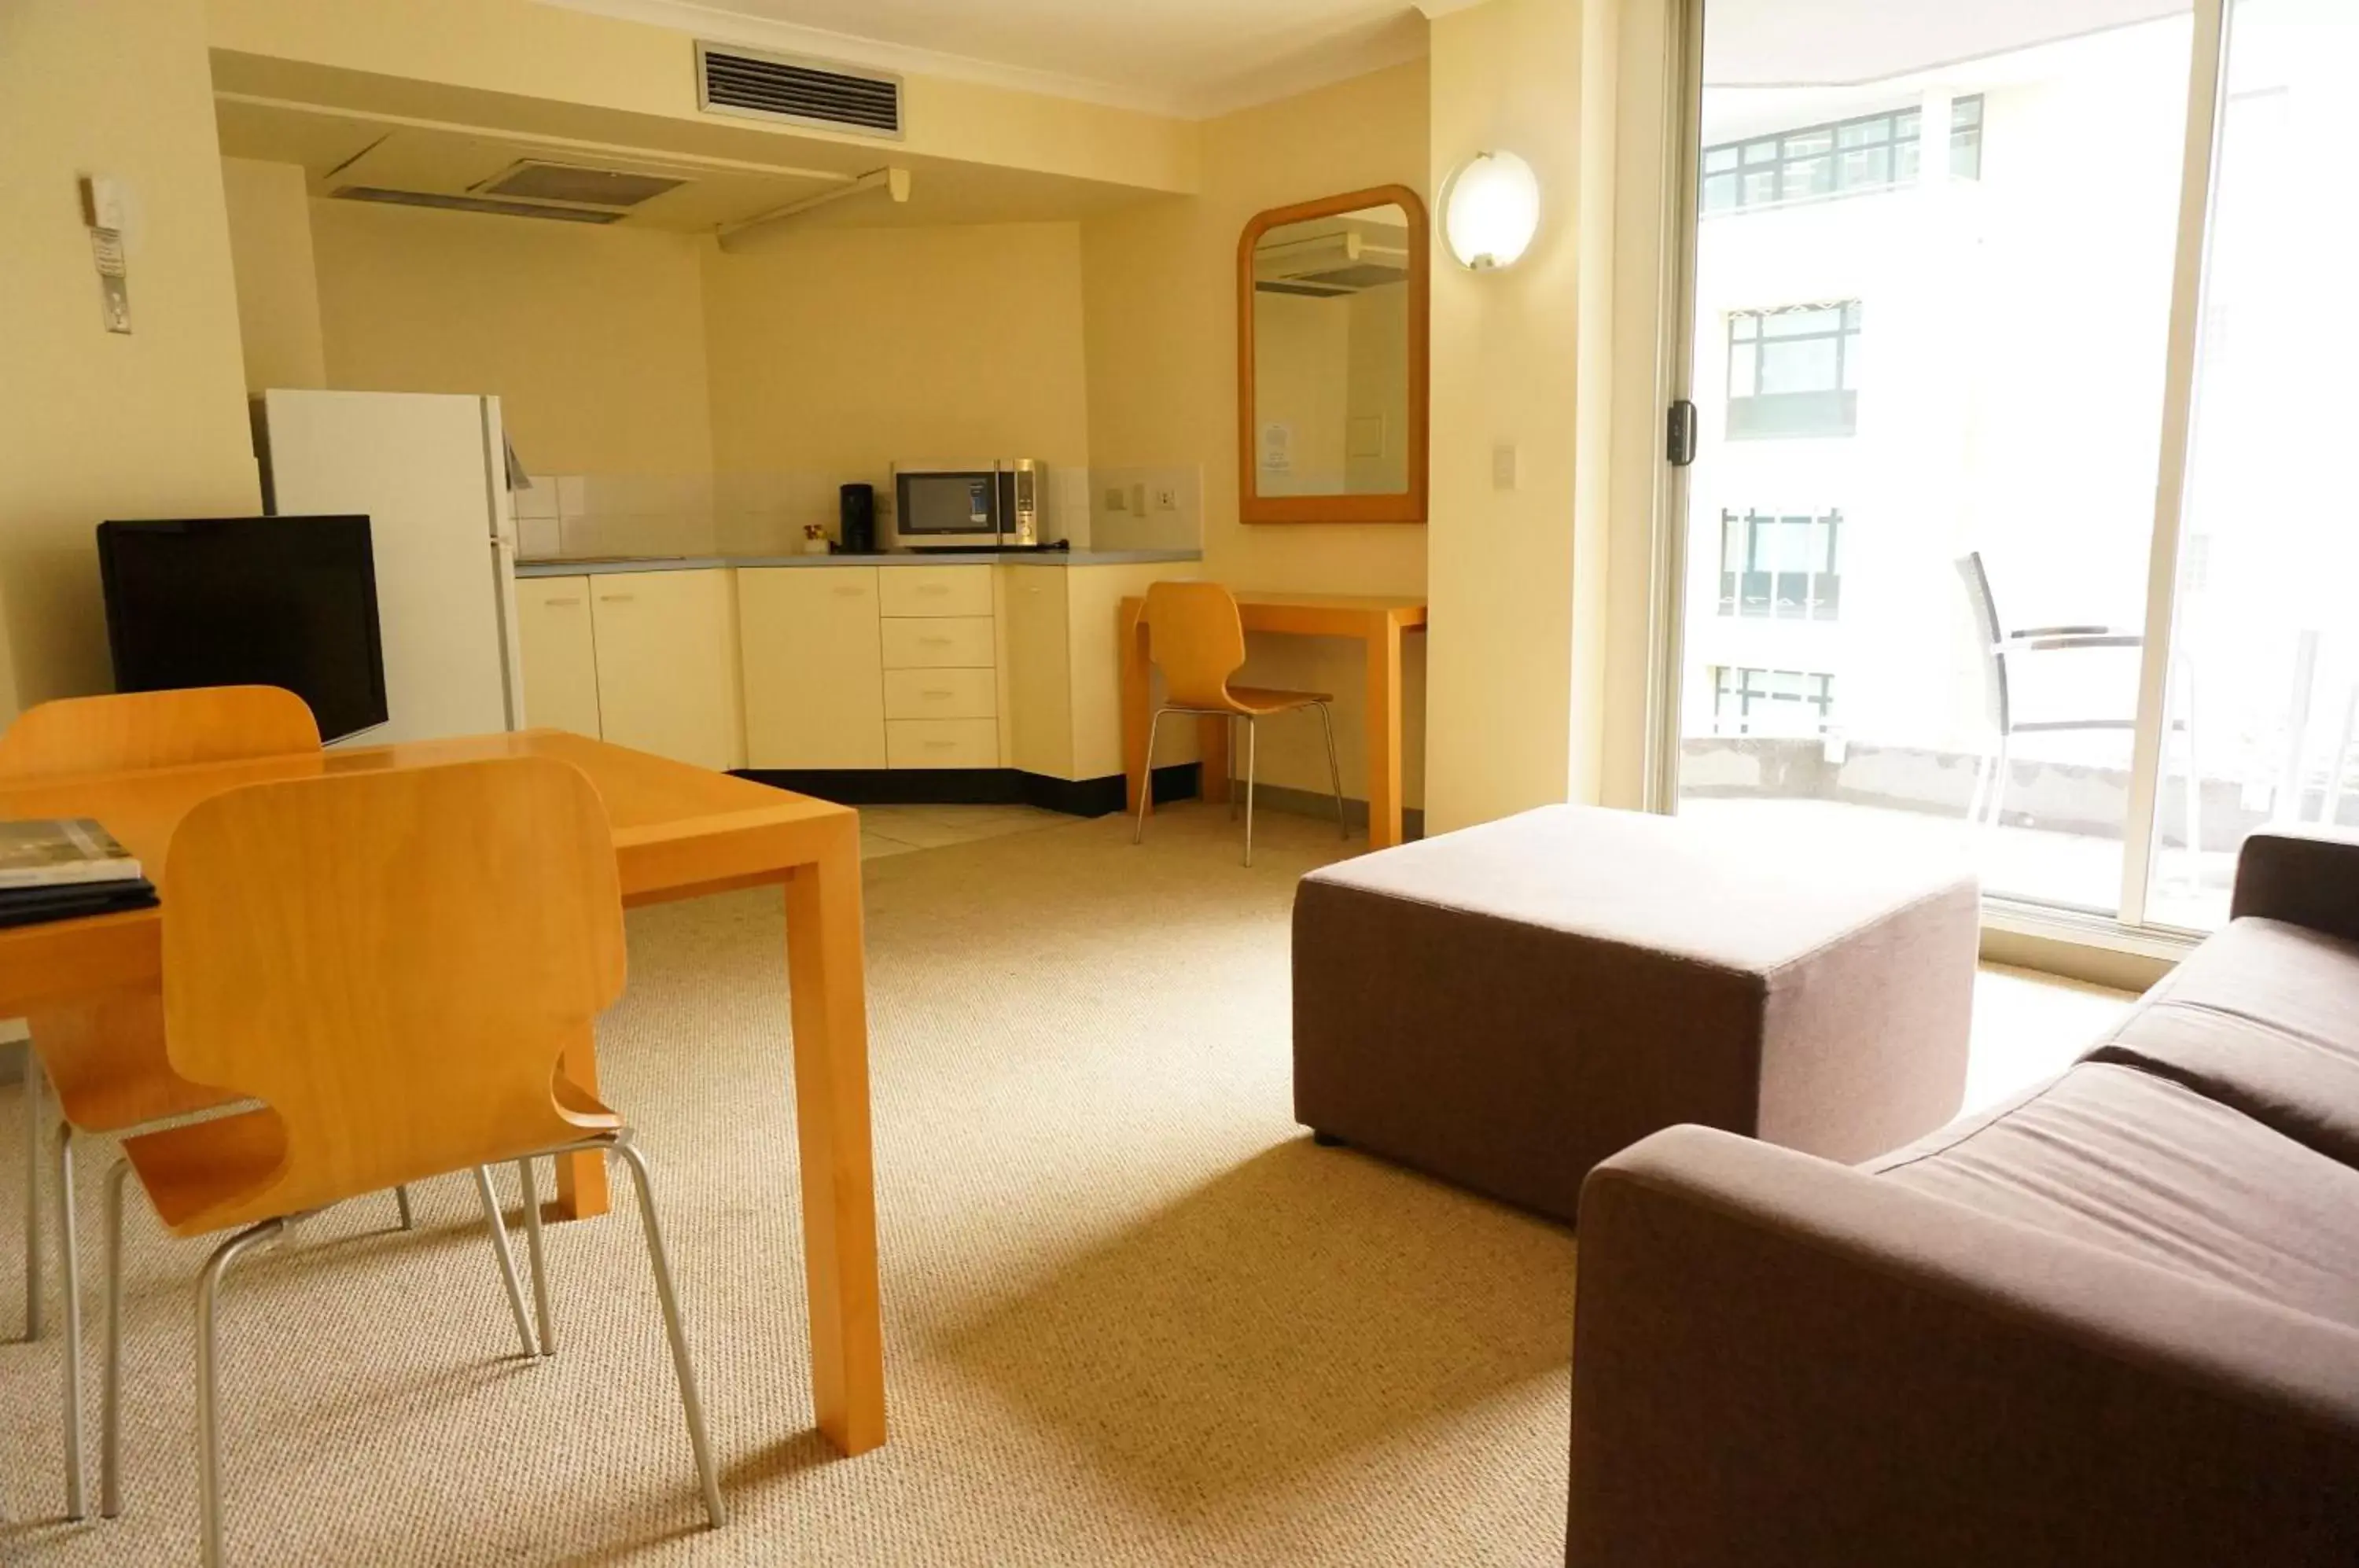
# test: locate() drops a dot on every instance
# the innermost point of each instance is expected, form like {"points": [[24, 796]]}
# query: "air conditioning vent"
{"points": [[534, 181], [469, 204], [730, 81]]}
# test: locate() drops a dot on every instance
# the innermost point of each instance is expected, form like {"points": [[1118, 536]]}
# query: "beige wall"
{"points": [[92, 424], [592, 338], [837, 351], [1160, 282], [277, 282], [1520, 357]]}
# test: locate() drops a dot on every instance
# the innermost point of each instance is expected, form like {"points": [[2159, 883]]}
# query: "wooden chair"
{"points": [[103, 1061], [1196, 637], [392, 964]]}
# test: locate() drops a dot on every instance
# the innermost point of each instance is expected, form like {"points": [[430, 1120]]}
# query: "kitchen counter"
{"points": [[559, 566]]}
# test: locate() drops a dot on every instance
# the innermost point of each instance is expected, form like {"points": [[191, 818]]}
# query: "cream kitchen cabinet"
{"points": [[668, 668], [560, 653], [814, 666]]}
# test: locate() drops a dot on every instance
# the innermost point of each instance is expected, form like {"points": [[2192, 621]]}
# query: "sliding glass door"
{"points": [[1992, 537]]}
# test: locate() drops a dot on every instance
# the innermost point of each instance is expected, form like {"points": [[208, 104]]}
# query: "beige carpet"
{"points": [[1132, 1315]]}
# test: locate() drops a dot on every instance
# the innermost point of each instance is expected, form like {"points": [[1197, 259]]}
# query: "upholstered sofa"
{"points": [[2114, 1321]]}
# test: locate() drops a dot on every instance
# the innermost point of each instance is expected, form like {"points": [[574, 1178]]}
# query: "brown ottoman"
{"points": [[1507, 1005]]}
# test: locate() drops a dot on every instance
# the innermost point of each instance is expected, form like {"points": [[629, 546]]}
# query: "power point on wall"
{"points": [[1503, 466], [1166, 497]]}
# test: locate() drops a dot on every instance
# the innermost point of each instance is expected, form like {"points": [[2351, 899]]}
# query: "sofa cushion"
{"points": [[2263, 1017], [2147, 1168]]}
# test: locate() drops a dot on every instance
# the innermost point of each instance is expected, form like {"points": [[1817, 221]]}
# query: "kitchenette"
{"points": [[946, 638]]}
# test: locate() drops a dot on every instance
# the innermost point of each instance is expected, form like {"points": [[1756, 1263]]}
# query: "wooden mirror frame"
{"points": [[1395, 507]]}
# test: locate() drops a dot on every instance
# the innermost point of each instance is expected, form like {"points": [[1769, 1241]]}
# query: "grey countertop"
{"points": [[557, 566]]}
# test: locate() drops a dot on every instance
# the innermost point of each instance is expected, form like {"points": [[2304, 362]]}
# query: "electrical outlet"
{"points": [[1166, 497], [1115, 501]]}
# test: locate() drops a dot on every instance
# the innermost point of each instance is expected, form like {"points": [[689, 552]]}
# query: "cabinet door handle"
{"points": [[941, 745], [615, 598], [939, 696], [933, 587], [850, 590], [568, 599], [935, 641]]}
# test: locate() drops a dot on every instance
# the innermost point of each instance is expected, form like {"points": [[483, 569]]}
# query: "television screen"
{"points": [[284, 602]]}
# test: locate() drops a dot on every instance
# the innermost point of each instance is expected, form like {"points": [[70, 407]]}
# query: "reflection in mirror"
{"points": [[1331, 371]]}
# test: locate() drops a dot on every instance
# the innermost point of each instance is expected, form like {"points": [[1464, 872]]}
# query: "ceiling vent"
{"points": [[534, 181], [732, 80], [470, 204]]}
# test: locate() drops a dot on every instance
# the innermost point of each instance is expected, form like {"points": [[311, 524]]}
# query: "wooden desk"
{"points": [[1378, 621], [679, 832]]}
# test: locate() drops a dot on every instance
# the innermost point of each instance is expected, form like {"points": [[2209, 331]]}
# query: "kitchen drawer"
{"points": [[941, 694], [941, 743], [952, 642], [936, 590]]}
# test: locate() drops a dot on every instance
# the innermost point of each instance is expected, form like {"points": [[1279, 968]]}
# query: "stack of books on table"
{"points": [[57, 869]]}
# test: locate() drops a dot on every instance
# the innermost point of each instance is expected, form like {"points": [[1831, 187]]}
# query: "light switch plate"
{"points": [[1503, 466]]}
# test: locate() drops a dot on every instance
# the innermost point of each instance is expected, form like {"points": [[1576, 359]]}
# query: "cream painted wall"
{"points": [[1159, 286], [94, 424], [837, 351], [592, 338], [278, 281], [1521, 358]]}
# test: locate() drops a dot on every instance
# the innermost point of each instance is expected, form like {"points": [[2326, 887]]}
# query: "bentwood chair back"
{"points": [[1196, 637], [155, 729], [392, 962], [104, 1058]]}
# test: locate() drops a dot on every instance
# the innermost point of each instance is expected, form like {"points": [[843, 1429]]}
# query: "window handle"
{"points": [[1679, 437]]}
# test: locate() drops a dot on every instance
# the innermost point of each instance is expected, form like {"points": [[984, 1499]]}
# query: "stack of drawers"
{"points": [[941, 675]]}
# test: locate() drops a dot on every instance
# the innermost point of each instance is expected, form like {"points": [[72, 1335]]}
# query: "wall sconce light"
{"points": [[1490, 211]]}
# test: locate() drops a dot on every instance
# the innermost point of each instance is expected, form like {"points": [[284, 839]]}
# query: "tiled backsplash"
{"points": [[747, 513]]}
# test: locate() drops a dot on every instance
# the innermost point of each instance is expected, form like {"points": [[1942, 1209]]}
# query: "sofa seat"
{"points": [[2149, 1169], [2263, 1017]]}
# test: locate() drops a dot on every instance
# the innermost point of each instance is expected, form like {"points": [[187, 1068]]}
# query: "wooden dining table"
{"points": [[680, 832], [1379, 622]]}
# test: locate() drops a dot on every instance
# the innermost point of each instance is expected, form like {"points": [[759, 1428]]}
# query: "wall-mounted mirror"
{"points": [[1331, 361]]}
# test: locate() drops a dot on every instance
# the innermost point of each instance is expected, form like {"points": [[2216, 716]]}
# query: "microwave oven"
{"points": [[991, 504]]}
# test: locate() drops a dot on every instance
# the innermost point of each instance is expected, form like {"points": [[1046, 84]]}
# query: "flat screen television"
{"points": [[284, 602]]}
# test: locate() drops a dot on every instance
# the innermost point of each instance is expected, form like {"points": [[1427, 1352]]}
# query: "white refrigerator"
{"points": [[429, 471]]}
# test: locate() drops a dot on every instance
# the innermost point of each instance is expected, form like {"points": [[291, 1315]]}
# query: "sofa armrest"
{"points": [[2305, 877], [1782, 1362]]}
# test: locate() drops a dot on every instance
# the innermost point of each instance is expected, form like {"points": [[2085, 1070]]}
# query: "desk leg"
{"points": [[1212, 745], [1384, 722], [581, 1192], [832, 1128], [1130, 629]]}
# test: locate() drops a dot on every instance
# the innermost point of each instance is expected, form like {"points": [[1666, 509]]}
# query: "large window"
{"points": [[1843, 157], [1794, 371], [1770, 701], [1782, 567]]}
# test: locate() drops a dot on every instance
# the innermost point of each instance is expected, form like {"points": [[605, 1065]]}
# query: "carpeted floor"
{"points": [[1132, 1315]]}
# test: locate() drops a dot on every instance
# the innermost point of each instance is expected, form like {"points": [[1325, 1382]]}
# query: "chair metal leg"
{"points": [[110, 1388], [1998, 780], [70, 1265], [35, 1123], [209, 1472], [499, 1229], [1252, 733], [535, 1256], [685, 1370], [1146, 779], [401, 1202], [1334, 770], [1229, 762]]}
